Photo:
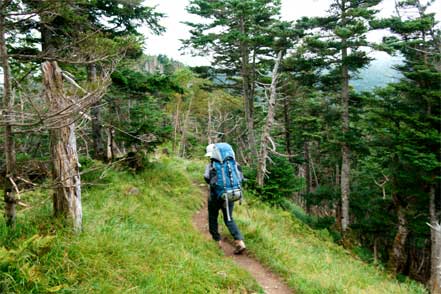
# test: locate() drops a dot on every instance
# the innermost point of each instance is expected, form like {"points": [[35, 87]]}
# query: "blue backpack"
{"points": [[228, 177]]}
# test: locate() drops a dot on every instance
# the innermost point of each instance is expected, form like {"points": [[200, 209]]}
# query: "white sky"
{"points": [[169, 44]]}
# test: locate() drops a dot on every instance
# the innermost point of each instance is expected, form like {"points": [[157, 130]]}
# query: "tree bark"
{"points": [[97, 136], [183, 143], [308, 174], [209, 131], [65, 166], [287, 118], [435, 234], [375, 250], [345, 149], [265, 139], [247, 83], [176, 124], [9, 148], [110, 144], [397, 254]]}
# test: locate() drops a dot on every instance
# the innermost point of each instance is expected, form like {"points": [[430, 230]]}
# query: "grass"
{"points": [[138, 238], [308, 260]]}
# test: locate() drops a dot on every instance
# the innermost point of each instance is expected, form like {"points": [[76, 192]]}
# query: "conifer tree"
{"points": [[237, 33], [410, 112], [341, 36]]}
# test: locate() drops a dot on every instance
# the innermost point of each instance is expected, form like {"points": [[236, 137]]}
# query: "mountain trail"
{"points": [[269, 282]]}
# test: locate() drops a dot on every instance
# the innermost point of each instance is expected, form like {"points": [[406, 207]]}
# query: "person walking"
{"points": [[217, 203]]}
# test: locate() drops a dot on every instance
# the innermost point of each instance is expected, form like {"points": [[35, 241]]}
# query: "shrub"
{"points": [[280, 183]]}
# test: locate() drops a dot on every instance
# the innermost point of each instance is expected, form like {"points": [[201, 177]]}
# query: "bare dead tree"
{"points": [[9, 193], [382, 184], [98, 141], [64, 110], [266, 136], [185, 126], [65, 165]]}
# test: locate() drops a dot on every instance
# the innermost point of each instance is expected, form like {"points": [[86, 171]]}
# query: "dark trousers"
{"points": [[214, 205]]}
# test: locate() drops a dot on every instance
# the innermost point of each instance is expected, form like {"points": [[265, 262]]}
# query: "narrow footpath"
{"points": [[271, 283]]}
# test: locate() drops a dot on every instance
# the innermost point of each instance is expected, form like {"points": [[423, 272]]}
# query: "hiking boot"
{"points": [[240, 246], [219, 244]]}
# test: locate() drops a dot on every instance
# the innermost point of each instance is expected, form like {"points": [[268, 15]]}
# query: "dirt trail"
{"points": [[266, 279]]}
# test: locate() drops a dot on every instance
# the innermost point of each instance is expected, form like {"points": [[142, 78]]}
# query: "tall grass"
{"points": [[137, 238], [309, 260]]}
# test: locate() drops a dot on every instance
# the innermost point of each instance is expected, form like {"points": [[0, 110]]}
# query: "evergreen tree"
{"points": [[408, 131], [339, 41], [238, 34]]}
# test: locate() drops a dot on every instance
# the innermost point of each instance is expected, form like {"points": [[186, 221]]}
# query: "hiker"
{"points": [[215, 199]]}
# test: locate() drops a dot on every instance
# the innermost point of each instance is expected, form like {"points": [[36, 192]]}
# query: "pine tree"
{"points": [[410, 112], [238, 34], [339, 41]]}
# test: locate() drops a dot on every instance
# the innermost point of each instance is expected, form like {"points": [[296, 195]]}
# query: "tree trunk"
{"points": [[176, 124], [9, 148], [375, 250], [345, 150], [183, 144], [435, 234], [308, 174], [287, 118], [65, 166], [265, 139], [97, 137], [110, 144], [247, 94], [397, 254], [209, 131]]}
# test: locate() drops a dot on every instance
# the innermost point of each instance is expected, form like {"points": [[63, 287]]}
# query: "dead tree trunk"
{"points": [[287, 120], [266, 136], [183, 143], [435, 234], [176, 124], [65, 167], [9, 148], [97, 136]]}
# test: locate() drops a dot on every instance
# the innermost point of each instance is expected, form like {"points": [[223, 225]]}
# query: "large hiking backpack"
{"points": [[228, 178]]}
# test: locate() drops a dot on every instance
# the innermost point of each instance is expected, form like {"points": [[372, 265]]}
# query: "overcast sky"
{"points": [[169, 43]]}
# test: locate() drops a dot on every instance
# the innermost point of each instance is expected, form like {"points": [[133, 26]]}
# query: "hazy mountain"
{"points": [[379, 73]]}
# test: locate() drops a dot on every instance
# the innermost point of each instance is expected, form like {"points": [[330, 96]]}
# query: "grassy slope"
{"points": [[308, 260], [142, 243], [145, 243]]}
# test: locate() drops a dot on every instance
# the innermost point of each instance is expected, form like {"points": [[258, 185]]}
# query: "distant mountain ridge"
{"points": [[379, 73]]}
